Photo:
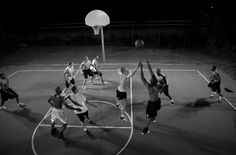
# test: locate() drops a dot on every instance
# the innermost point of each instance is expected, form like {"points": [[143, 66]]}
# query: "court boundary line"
{"points": [[225, 97], [87, 126]]}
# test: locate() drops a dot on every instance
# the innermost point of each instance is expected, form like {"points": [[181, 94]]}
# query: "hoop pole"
{"points": [[103, 49]]}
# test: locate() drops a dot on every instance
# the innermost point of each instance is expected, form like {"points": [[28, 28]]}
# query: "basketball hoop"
{"points": [[96, 29]]}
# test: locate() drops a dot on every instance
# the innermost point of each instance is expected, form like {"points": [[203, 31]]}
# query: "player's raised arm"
{"points": [[150, 69], [81, 67], [133, 72], [142, 76]]}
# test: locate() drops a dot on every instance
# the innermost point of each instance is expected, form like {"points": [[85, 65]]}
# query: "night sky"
{"points": [[62, 12]]}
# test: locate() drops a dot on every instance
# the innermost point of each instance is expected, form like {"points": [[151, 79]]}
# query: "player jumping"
{"points": [[94, 69], [164, 85], [7, 93], [85, 70], [154, 103], [214, 83], [121, 93], [57, 101], [78, 101]]}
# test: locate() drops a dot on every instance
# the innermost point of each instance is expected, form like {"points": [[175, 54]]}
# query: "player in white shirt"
{"points": [[85, 70], [94, 69], [78, 101], [121, 94], [69, 75]]}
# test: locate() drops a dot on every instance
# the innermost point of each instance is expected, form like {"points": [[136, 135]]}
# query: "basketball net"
{"points": [[96, 29]]}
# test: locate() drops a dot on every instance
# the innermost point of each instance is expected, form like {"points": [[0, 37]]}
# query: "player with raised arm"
{"points": [[7, 93], [78, 100], [214, 83], [164, 85], [57, 101], [154, 102], [94, 69], [85, 70], [121, 94]]}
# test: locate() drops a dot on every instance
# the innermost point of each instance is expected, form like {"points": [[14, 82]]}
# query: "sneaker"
{"points": [[90, 121], [91, 82], [212, 94], [21, 105], [154, 121], [61, 136], [123, 118], [85, 129], [84, 87], [145, 131], [3, 108], [220, 98], [172, 102], [117, 105]]}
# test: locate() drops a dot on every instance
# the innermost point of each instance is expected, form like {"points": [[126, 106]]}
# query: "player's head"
{"points": [[1, 75], [213, 68], [153, 80], [74, 89], [158, 71], [124, 71], [58, 90], [86, 58], [97, 57]]}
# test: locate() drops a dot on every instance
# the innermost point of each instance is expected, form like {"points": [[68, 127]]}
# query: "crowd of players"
{"points": [[77, 102]]}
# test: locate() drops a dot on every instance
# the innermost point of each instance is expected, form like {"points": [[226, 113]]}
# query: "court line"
{"points": [[132, 127], [32, 138], [47, 114], [225, 97], [92, 127], [13, 74], [60, 70]]}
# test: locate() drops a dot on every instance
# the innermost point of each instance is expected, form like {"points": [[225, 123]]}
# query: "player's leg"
{"points": [[100, 75], [86, 114], [62, 117], [166, 92], [122, 110], [218, 91], [212, 87], [85, 78], [3, 99], [54, 131], [82, 118]]}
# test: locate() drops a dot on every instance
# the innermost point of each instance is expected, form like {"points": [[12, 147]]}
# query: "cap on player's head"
{"points": [[213, 68], [158, 71], [74, 89], [58, 90]]}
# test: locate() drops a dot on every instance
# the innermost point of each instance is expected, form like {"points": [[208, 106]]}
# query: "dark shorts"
{"points": [[68, 83], [98, 73], [82, 116], [88, 72], [8, 94], [152, 108], [120, 95], [215, 87]]}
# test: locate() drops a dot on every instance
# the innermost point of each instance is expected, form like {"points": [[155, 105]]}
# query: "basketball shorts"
{"points": [[58, 114], [152, 108], [121, 95], [82, 116], [87, 73], [8, 94]]}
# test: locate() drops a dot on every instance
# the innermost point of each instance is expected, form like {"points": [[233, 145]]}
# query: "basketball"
{"points": [[139, 43]]}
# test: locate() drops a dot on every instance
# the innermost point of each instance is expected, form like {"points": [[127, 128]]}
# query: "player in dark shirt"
{"points": [[214, 83], [7, 93]]}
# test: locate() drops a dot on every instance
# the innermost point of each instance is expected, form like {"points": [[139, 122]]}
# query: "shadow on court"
{"points": [[26, 116]]}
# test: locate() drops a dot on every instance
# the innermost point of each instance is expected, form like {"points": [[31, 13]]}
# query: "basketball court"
{"points": [[196, 124]]}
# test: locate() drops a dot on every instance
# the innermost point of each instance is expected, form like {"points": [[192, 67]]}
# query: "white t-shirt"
{"points": [[68, 72], [79, 99]]}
